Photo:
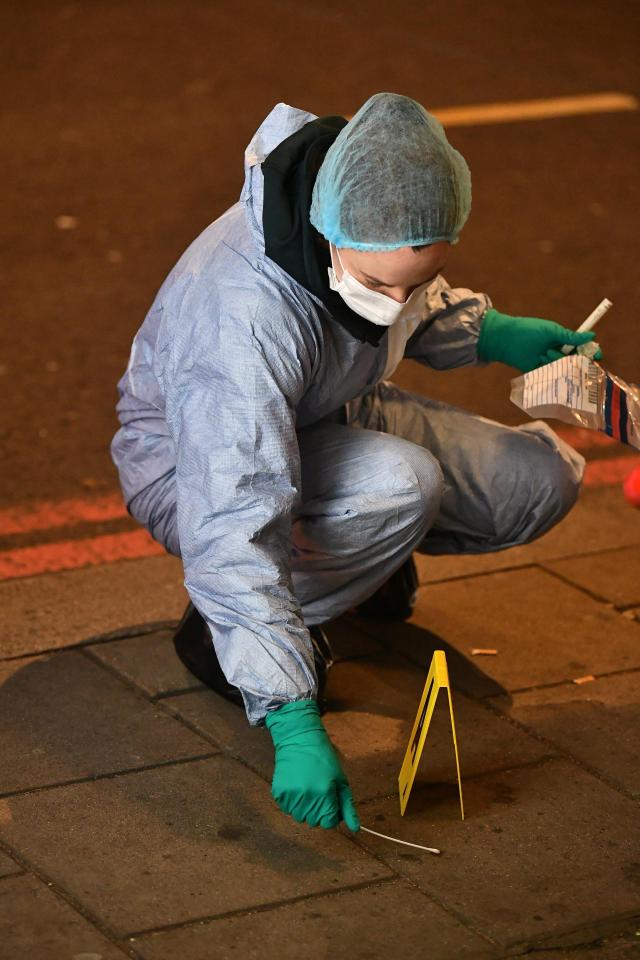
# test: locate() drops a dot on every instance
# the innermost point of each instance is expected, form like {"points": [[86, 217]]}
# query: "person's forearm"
{"points": [[450, 336], [270, 662]]}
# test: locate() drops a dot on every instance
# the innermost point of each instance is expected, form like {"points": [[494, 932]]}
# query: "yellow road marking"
{"points": [[485, 113]]}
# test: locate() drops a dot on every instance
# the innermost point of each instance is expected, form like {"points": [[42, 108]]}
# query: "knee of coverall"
{"points": [[382, 482], [367, 508], [366, 494], [549, 472], [425, 476]]}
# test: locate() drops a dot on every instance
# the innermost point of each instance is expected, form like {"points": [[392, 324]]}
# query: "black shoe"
{"points": [[394, 600], [195, 649]]}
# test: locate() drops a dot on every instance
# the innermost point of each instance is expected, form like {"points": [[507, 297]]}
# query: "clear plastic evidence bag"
{"points": [[578, 390]]}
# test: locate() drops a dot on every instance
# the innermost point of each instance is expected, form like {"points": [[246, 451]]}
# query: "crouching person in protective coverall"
{"points": [[262, 441]]}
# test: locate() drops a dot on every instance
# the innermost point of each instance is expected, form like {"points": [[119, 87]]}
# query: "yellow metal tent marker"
{"points": [[437, 679]]}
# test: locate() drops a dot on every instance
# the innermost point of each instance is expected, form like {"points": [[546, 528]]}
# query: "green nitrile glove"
{"points": [[525, 342], [308, 781]]}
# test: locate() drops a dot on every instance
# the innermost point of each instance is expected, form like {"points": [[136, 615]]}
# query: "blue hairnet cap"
{"points": [[391, 179]]}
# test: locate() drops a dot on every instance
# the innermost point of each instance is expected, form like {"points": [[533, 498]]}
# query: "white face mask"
{"points": [[374, 306]]}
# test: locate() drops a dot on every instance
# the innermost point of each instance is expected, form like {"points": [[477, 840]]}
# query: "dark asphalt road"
{"points": [[133, 116]]}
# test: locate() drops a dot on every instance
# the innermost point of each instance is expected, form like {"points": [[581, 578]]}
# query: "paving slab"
{"points": [[455, 566], [349, 641], [63, 717], [8, 866], [601, 520], [543, 850], [615, 938], [227, 725], [544, 630], [418, 644], [622, 947], [613, 576], [372, 707], [35, 923], [596, 722], [149, 661], [178, 843], [390, 919], [62, 609]]}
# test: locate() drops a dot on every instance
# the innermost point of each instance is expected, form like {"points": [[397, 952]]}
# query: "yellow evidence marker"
{"points": [[437, 679]]}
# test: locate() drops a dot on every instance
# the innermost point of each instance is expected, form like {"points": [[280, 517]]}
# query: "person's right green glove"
{"points": [[525, 342], [308, 781]]}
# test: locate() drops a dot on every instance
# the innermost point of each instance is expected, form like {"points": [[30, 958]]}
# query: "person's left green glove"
{"points": [[308, 781], [525, 342]]}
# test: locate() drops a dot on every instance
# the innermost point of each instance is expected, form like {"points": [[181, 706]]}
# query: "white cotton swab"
{"points": [[405, 843], [590, 322]]}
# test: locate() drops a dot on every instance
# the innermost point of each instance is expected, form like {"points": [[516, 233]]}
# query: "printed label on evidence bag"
{"points": [[563, 383]]}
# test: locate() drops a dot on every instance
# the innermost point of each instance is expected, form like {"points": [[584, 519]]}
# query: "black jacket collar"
{"points": [[290, 239]]}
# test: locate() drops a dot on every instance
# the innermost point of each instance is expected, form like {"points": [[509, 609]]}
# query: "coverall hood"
{"points": [[289, 170]]}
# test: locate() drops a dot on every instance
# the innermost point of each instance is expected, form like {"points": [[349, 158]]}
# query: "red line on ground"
{"points": [[582, 439], [601, 473], [71, 554], [61, 513], [109, 548], [48, 514]]}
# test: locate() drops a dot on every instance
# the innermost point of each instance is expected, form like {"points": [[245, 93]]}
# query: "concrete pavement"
{"points": [[135, 815]]}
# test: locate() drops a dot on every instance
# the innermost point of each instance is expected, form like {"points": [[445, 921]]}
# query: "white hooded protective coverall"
{"points": [[260, 442]]}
